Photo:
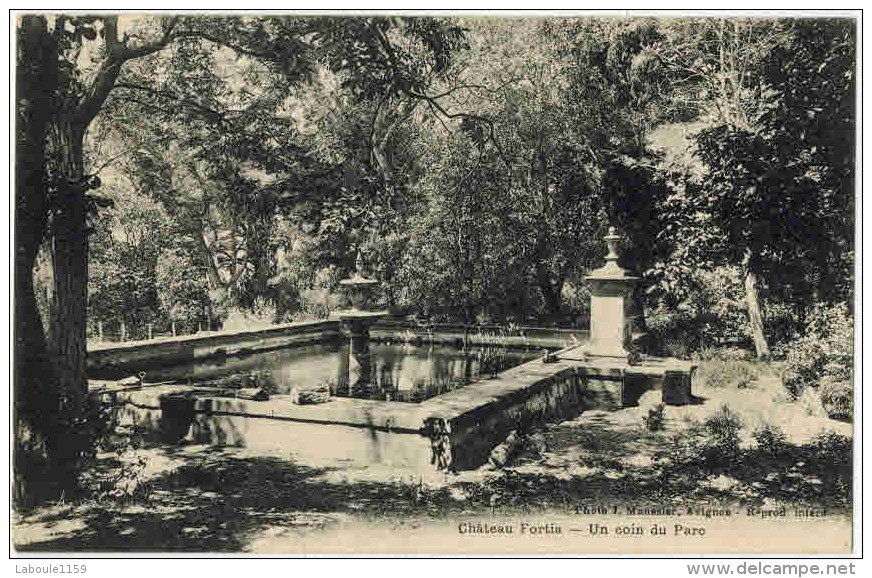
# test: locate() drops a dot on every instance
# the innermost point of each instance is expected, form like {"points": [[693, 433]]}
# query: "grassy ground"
{"points": [[201, 498]]}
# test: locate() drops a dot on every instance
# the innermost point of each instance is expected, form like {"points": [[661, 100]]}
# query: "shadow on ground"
{"points": [[601, 461], [216, 501]]}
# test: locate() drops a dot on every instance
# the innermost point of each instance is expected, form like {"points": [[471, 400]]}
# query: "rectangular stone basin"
{"points": [[455, 431]]}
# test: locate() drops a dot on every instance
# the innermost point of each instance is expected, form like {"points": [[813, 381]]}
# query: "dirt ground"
{"points": [[202, 498]]}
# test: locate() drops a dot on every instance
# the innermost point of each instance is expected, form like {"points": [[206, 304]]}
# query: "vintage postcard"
{"points": [[435, 284]]}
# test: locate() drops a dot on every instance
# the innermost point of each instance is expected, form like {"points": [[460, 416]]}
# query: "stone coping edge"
{"points": [[328, 324], [205, 337], [402, 417]]}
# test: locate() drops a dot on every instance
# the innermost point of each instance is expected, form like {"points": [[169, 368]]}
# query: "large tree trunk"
{"points": [[68, 247], [50, 198], [755, 314], [68, 250], [36, 70]]}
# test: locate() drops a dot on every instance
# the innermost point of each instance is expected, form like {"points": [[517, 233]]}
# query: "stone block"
{"points": [[635, 386], [604, 393], [676, 387], [176, 416]]}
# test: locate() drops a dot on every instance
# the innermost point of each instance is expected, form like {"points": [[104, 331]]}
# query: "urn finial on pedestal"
{"points": [[612, 243]]}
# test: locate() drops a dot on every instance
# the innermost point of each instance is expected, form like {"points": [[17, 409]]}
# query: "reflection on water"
{"points": [[398, 372], [413, 374]]}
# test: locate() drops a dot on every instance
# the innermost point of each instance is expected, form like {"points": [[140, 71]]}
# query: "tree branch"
{"points": [[386, 45], [439, 118], [477, 87], [261, 55], [210, 113], [128, 53], [117, 53]]}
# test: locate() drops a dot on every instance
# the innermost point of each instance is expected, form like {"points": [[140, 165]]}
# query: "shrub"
{"points": [[576, 299], [709, 310], [683, 453], [730, 373], [837, 397], [724, 354], [261, 315], [654, 420], [721, 303], [707, 447], [305, 293], [53, 446], [832, 457], [823, 359], [316, 304], [124, 480], [183, 295], [771, 440], [721, 447], [782, 326], [672, 333], [833, 450]]}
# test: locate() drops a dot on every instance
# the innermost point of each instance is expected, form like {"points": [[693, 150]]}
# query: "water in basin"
{"points": [[405, 373]]}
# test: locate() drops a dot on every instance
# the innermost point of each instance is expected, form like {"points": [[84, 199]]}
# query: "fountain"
{"points": [[457, 429], [355, 322]]}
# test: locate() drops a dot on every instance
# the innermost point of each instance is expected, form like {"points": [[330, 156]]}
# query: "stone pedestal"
{"points": [[604, 392], [355, 368], [359, 363], [612, 379], [610, 319]]}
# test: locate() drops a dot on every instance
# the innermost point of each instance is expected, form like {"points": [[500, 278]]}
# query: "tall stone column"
{"points": [[610, 377]]}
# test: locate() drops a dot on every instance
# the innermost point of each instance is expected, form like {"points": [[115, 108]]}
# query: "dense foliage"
{"points": [[769, 186], [481, 190], [822, 360]]}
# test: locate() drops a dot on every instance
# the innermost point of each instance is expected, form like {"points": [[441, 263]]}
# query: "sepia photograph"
{"points": [[443, 284]]}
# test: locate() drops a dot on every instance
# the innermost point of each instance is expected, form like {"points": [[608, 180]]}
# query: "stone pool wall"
{"points": [[166, 351], [466, 424], [463, 438], [398, 331], [455, 431], [356, 432]]}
